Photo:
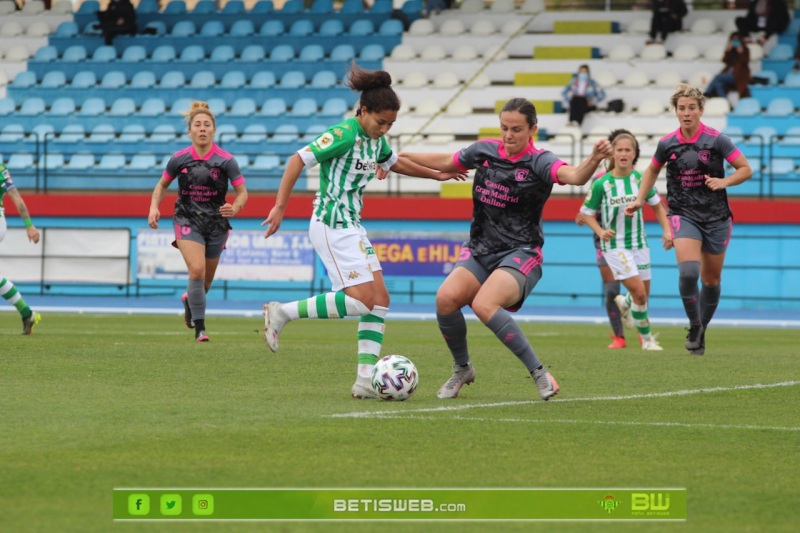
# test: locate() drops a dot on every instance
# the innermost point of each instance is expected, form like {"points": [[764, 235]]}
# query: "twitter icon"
{"points": [[170, 504]]}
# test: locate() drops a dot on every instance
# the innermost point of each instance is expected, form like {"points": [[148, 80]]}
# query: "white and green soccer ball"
{"points": [[395, 378]]}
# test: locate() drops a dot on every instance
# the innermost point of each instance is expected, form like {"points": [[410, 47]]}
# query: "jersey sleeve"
{"points": [[660, 157], [386, 158], [545, 166], [726, 147], [233, 172], [171, 170], [5, 178], [465, 158], [593, 198], [335, 142]]}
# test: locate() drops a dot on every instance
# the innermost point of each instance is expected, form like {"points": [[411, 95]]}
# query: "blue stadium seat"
{"points": [[412, 8], [143, 162], [203, 80], [158, 26], [223, 53], [372, 52], [735, 133], [233, 79], [12, 133], [88, 7], [384, 7], [779, 107], [293, 79], [293, 6], [331, 28], [113, 79], [24, 80], [761, 135], [7, 106], [322, 7], [282, 52], [792, 79], [343, 53], [92, 107], [175, 7], [131, 133], [134, 54], [303, 107], [273, 107], [391, 28], [265, 163], [227, 132], [173, 80], [791, 136], [242, 28], [80, 161], [301, 28], [71, 134], [312, 132], [362, 27], [218, 106], [782, 167], [243, 107], [192, 54], [163, 133], [234, 7], [21, 161], [111, 162], [263, 6], [205, 7], [84, 79], [212, 28], [312, 52], [46, 54], [67, 29], [122, 107], [324, 79], [43, 131], [781, 52], [183, 28], [62, 106], [74, 53], [53, 79], [254, 133], [180, 105], [253, 52], [144, 79], [351, 7], [102, 133], [272, 28], [54, 162], [32, 107], [334, 107], [747, 107], [153, 107], [104, 54], [286, 133], [163, 53], [263, 79]]}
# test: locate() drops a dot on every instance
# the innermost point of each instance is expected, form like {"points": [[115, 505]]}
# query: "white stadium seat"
{"points": [[465, 52], [621, 52], [453, 28], [483, 27], [433, 52], [635, 79], [685, 52], [403, 52], [446, 80], [415, 79], [668, 79], [650, 107], [421, 27], [606, 78], [703, 26], [653, 52]]}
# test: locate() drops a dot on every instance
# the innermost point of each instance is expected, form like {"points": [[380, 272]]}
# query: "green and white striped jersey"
{"points": [[348, 159], [610, 195]]}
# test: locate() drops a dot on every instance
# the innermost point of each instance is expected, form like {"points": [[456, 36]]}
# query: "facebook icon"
{"points": [[138, 504]]}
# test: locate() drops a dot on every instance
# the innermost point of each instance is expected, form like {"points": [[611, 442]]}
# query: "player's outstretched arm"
{"points": [[408, 167], [581, 174]]}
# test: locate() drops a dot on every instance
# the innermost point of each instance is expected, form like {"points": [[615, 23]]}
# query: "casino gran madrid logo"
{"points": [[609, 503]]}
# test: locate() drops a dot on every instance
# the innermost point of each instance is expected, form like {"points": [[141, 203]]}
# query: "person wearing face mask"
{"points": [[502, 261], [350, 154], [735, 73], [699, 214], [581, 95]]}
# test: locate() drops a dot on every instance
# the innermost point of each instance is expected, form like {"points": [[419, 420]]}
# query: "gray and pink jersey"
{"points": [[688, 162], [202, 185], [508, 194]]}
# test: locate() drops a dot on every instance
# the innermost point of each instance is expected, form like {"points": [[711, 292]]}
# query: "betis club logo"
{"points": [[704, 155], [609, 503]]}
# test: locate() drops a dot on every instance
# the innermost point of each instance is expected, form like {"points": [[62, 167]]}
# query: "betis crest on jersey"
{"points": [[325, 140]]}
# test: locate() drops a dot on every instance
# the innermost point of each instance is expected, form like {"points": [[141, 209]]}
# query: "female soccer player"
{"points": [[201, 212], [349, 154], [10, 293], [699, 214], [502, 261], [623, 241]]}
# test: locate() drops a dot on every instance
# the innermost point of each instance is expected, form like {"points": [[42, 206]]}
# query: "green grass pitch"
{"points": [[90, 403]]}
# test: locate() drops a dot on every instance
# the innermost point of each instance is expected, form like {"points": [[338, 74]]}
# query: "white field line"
{"points": [[465, 407]]}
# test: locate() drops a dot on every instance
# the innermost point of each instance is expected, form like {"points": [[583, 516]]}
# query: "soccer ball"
{"points": [[394, 378]]}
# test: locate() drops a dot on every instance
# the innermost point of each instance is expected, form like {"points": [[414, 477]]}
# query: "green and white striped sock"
{"points": [[641, 320], [328, 305], [371, 328], [13, 296]]}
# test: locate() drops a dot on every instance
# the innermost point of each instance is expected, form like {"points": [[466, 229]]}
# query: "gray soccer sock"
{"points": [[454, 331], [509, 334], [197, 299], [688, 274], [709, 299], [611, 289]]}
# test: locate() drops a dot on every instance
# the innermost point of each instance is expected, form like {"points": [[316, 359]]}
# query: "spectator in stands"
{"points": [[349, 155], [581, 95], [767, 16], [667, 18], [623, 241], [502, 261], [202, 214], [699, 214], [735, 73], [10, 293], [118, 19]]}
